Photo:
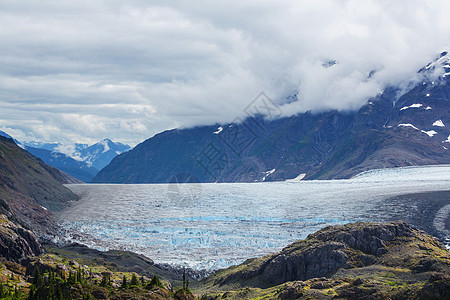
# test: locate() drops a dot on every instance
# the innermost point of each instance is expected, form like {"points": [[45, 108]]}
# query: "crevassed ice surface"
{"points": [[213, 226]]}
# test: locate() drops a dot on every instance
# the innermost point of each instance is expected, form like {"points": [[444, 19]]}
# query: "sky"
{"points": [[80, 71]]}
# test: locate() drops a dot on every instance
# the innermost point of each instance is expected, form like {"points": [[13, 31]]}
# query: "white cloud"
{"points": [[86, 70]]}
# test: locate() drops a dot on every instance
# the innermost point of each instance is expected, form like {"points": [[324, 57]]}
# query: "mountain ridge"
{"points": [[30, 189], [82, 161]]}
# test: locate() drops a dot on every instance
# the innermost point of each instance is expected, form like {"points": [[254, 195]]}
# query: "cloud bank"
{"points": [[85, 70]]}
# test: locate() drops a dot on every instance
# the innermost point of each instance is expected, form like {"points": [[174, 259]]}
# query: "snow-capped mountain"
{"points": [[79, 160], [394, 128], [100, 154]]}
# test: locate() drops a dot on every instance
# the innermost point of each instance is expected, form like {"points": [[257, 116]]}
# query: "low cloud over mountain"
{"points": [[78, 71]]}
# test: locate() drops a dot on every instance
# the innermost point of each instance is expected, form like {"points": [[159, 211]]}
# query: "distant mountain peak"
{"points": [[81, 161], [101, 153]]}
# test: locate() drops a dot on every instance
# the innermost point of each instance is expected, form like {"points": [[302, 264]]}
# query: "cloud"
{"points": [[86, 70]]}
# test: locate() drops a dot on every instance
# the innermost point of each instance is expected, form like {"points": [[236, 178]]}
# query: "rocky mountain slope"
{"points": [[392, 129], [16, 242], [359, 260], [30, 189]]}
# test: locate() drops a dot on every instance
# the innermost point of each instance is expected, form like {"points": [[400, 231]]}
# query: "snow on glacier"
{"points": [[231, 222]]}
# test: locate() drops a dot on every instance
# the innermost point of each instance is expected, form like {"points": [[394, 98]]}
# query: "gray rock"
{"points": [[17, 243], [323, 253]]}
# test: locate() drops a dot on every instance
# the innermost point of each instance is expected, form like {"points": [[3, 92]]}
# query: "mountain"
{"points": [[78, 169], [30, 189], [4, 134], [80, 161], [352, 261], [392, 129], [100, 154], [42, 145]]}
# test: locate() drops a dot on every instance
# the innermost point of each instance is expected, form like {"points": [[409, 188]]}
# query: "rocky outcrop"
{"points": [[16, 242], [335, 248], [371, 239]]}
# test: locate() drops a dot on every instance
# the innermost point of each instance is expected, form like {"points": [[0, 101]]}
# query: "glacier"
{"points": [[225, 223]]}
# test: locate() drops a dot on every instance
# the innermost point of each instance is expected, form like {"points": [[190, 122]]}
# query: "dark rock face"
{"points": [[389, 131], [17, 243], [437, 287], [340, 247], [368, 239], [319, 261]]}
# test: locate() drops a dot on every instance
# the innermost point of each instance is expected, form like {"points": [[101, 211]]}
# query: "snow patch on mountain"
{"points": [[442, 61], [105, 144], [267, 174], [296, 179], [430, 133], [408, 125], [415, 105], [219, 130], [439, 123]]}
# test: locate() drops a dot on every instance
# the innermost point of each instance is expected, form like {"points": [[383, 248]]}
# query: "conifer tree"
{"points": [[124, 282], [134, 280]]}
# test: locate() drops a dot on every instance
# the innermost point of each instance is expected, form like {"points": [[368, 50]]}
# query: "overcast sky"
{"points": [[81, 71]]}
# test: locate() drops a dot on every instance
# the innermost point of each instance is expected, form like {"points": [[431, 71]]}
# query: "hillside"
{"points": [[30, 189]]}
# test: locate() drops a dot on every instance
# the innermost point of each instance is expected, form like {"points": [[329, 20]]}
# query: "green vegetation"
{"points": [[56, 277]]}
